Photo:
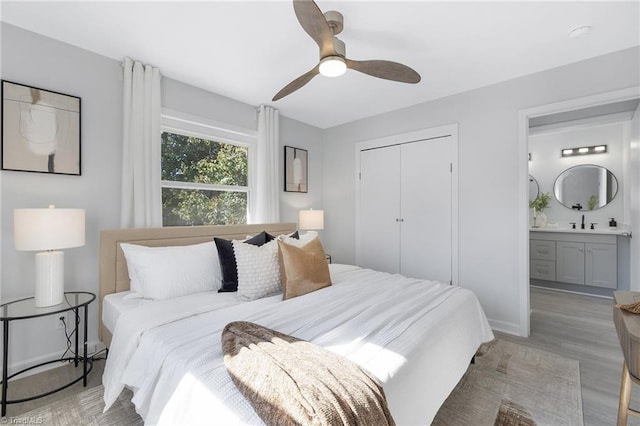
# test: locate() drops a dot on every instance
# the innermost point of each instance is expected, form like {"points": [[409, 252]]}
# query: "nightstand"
{"points": [[24, 309]]}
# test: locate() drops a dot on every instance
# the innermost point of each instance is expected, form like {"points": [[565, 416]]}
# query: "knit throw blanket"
{"points": [[291, 381]]}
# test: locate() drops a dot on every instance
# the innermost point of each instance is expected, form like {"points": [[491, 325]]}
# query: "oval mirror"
{"points": [[534, 189], [585, 187]]}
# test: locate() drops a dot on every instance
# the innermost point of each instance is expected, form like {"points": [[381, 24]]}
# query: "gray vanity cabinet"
{"points": [[601, 265], [570, 262], [584, 259], [543, 260]]}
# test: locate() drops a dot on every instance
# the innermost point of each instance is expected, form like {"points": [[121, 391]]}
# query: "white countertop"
{"points": [[620, 230]]}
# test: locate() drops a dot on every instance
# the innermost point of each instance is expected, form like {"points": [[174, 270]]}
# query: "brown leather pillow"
{"points": [[303, 269]]}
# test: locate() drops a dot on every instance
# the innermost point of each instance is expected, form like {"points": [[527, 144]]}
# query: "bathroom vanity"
{"points": [[575, 256]]}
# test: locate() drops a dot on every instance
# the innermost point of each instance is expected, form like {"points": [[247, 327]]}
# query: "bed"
{"points": [[416, 337]]}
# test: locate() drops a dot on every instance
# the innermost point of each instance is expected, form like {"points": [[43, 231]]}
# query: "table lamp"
{"points": [[311, 220], [48, 230]]}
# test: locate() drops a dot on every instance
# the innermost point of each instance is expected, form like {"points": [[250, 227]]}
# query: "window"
{"points": [[205, 176]]}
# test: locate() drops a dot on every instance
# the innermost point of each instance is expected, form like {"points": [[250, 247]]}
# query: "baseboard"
{"points": [[505, 327], [602, 296], [92, 347]]}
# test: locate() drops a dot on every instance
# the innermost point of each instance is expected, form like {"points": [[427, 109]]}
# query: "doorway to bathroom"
{"points": [[579, 159]]}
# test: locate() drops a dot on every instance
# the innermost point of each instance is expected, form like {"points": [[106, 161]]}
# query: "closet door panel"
{"points": [[425, 250], [380, 209]]}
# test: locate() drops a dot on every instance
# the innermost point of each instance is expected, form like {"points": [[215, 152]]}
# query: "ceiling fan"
{"points": [[323, 29]]}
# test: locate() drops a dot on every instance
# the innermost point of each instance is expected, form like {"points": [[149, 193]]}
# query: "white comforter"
{"points": [[417, 337]]}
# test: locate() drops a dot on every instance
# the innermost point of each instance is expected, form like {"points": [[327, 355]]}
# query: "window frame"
{"points": [[200, 127]]}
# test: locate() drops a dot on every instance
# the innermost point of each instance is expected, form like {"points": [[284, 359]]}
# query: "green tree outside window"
{"points": [[203, 162]]}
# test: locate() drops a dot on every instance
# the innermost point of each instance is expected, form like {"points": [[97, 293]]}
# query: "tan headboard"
{"points": [[114, 277]]}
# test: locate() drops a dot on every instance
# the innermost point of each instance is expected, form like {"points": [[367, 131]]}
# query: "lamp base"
{"points": [[49, 278]]}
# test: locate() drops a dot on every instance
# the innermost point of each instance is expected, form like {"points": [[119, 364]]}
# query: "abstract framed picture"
{"points": [[295, 169], [40, 130]]}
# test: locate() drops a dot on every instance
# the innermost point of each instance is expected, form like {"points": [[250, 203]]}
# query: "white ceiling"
{"points": [[248, 51]]}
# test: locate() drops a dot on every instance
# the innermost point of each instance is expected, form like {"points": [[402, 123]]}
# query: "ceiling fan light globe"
{"points": [[332, 66]]}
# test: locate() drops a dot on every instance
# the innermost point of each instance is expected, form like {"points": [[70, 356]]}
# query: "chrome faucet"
{"points": [[582, 224]]}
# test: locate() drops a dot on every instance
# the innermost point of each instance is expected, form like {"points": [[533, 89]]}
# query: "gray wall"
{"points": [[32, 59], [488, 169]]}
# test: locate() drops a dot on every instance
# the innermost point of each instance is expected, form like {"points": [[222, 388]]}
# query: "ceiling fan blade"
{"points": [[314, 23], [297, 83], [385, 69]]}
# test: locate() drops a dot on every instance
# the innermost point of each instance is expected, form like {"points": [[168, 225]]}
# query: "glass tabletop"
{"points": [[25, 308]]}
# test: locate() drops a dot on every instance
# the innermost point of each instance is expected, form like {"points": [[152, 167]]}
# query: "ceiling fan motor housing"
{"points": [[340, 47], [335, 21]]}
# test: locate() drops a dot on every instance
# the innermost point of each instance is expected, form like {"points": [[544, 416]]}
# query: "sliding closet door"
{"points": [[426, 181], [379, 216]]}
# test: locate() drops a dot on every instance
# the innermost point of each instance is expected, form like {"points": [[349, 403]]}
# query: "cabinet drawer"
{"points": [[542, 269], [542, 250]]}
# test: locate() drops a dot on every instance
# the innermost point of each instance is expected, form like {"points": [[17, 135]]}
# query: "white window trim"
{"points": [[200, 127]]}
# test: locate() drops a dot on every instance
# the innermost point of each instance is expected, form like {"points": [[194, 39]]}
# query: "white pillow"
{"points": [[129, 251], [258, 269], [167, 272]]}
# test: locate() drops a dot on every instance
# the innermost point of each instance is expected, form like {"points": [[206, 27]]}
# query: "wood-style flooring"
{"points": [[581, 327], [574, 326]]}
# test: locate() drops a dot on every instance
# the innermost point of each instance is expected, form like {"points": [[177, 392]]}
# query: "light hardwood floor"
{"points": [[581, 327], [574, 326], [46, 381]]}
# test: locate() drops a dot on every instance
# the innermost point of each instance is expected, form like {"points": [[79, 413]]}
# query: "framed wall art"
{"points": [[295, 169], [40, 130]]}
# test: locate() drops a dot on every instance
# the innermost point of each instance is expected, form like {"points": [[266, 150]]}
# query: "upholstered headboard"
{"points": [[114, 276]]}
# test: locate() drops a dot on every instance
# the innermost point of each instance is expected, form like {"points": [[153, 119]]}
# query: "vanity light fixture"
{"points": [[585, 150]]}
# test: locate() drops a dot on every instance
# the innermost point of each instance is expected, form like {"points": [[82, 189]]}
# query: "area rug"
{"points": [[508, 385], [511, 384], [84, 408]]}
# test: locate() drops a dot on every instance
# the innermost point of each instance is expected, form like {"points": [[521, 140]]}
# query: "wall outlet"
{"points": [[59, 325]]}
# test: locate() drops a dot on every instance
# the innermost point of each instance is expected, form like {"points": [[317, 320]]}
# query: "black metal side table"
{"points": [[25, 309]]}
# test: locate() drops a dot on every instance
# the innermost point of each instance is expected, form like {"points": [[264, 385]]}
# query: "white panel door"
{"points": [[425, 238], [379, 243]]}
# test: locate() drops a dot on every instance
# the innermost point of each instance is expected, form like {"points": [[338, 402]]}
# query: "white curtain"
{"points": [[141, 194], [267, 188]]}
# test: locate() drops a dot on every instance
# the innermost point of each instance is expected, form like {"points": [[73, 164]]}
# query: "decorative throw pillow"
{"points": [[167, 272], [298, 240], [303, 269], [130, 250], [258, 270], [228, 259]]}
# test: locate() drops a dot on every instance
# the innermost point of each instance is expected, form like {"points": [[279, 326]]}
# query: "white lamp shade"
{"points": [[311, 219], [48, 229]]}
